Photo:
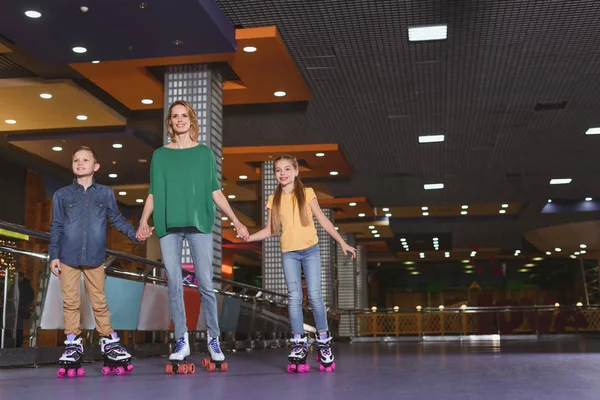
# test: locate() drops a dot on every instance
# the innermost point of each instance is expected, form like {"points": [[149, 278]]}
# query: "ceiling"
{"points": [[514, 88]]}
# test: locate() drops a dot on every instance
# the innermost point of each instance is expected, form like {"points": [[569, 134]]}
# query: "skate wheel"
{"points": [[333, 366], [192, 368], [211, 367], [105, 370], [306, 368], [120, 370], [224, 367], [205, 362], [301, 368], [129, 368], [61, 373], [321, 368], [169, 369], [71, 373], [317, 358], [328, 369], [183, 369], [291, 368], [80, 372]]}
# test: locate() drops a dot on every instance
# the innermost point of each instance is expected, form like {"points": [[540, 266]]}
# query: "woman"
{"points": [[185, 208]]}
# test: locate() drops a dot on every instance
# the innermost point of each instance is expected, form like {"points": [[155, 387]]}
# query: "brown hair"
{"points": [[194, 130], [86, 148], [299, 198]]}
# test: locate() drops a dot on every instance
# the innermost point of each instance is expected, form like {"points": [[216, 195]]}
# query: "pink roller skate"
{"points": [[298, 355], [116, 358], [324, 355], [70, 361]]}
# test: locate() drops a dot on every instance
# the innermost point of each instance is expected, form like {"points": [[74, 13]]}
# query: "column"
{"points": [[272, 267], [202, 87], [361, 278], [346, 270], [327, 248]]}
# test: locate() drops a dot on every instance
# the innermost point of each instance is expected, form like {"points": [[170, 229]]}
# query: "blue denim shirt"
{"points": [[78, 228]]}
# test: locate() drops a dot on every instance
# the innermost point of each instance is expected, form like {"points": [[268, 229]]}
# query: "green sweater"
{"points": [[182, 182]]}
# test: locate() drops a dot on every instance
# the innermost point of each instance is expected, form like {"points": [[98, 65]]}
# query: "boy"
{"points": [[78, 244]]}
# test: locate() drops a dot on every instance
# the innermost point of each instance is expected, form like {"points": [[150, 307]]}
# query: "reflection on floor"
{"points": [[483, 370]]}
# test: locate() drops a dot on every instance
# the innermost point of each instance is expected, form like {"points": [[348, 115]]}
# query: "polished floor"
{"points": [[481, 370]]}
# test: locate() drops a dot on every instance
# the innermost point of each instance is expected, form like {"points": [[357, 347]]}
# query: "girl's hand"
{"points": [[346, 249]]}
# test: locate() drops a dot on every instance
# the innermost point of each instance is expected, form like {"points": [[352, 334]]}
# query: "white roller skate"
{"points": [[324, 354], [116, 358], [179, 358], [216, 360], [298, 355], [70, 361]]}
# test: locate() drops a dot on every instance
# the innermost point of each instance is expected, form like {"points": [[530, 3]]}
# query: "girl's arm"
{"points": [[329, 228], [264, 233]]}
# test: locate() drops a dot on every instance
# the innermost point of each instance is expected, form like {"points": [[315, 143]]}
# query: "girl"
{"points": [[184, 189], [291, 210]]}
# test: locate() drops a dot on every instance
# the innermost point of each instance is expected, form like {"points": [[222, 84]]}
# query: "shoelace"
{"points": [[179, 345], [215, 345]]}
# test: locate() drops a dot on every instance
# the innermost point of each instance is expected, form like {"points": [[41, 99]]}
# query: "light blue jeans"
{"points": [[294, 262], [201, 249]]}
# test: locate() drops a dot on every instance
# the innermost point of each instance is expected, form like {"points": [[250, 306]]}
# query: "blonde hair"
{"points": [[194, 130], [299, 197]]}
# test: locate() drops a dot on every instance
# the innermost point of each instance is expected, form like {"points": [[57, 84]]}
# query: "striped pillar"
{"points": [[327, 248], [202, 87], [272, 267], [361, 278], [346, 286]]}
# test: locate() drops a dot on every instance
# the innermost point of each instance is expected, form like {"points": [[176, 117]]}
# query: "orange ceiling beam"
{"points": [[262, 73]]}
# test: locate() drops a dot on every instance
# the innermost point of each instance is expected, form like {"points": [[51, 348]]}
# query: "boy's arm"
{"points": [[117, 219], [56, 227]]}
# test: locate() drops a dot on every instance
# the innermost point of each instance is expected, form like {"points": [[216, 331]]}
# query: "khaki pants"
{"points": [[94, 284]]}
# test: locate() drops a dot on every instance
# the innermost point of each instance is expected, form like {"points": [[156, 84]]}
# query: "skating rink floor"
{"points": [[514, 370]]}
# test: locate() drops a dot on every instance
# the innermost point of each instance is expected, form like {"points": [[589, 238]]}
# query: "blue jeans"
{"points": [[201, 248], [310, 261]]}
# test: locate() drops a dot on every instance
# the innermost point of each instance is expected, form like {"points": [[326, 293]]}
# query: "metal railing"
{"points": [[262, 321]]}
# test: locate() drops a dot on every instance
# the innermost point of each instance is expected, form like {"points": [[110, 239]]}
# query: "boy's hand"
{"points": [[144, 232], [242, 231], [55, 267]]}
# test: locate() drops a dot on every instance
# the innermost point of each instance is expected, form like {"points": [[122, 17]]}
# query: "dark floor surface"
{"points": [[480, 370]]}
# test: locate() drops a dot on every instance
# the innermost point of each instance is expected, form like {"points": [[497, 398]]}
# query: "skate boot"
{"points": [[298, 355], [70, 361], [216, 359], [116, 358], [324, 354], [179, 358]]}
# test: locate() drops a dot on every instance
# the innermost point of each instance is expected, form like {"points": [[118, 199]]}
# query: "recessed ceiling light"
{"points": [[433, 186], [279, 93], [425, 213], [112, 175], [465, 207], [224, 218], [177, 42], [388, 215], [46, 96], [558, 249], [549, 200], [377, 235], [583, 246], [10, 121], [431, 139], [147, 101], [231, 196], [374, 231], [576, 253], [435, 239], [82, 117], [361, 215], [560, 181], [33, 14], [122, 193], [583, 252], [249, 49], [95, 62], [385, 209], [593, 131], [430, 32], [79, 50], [464, 212], [446, 254], [142, 160], [371, 226], [424, 208], [320, 154], [337, 228], [57, 148], [548, 253], [333, 173], [353, 204], [504, 205], [117, 145], [139, 200], [588, 199], [502, 211], [243, 177]]}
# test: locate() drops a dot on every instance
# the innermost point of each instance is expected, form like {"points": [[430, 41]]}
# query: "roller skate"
{"points": [[298, 355], [324, 355], [179, 358], [116, 358], [216, 360], [70, 361]]}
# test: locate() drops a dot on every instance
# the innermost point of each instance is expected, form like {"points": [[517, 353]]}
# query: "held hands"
{"points": [[346, 249], [144, 231], [55, 267], [242, 231]]}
